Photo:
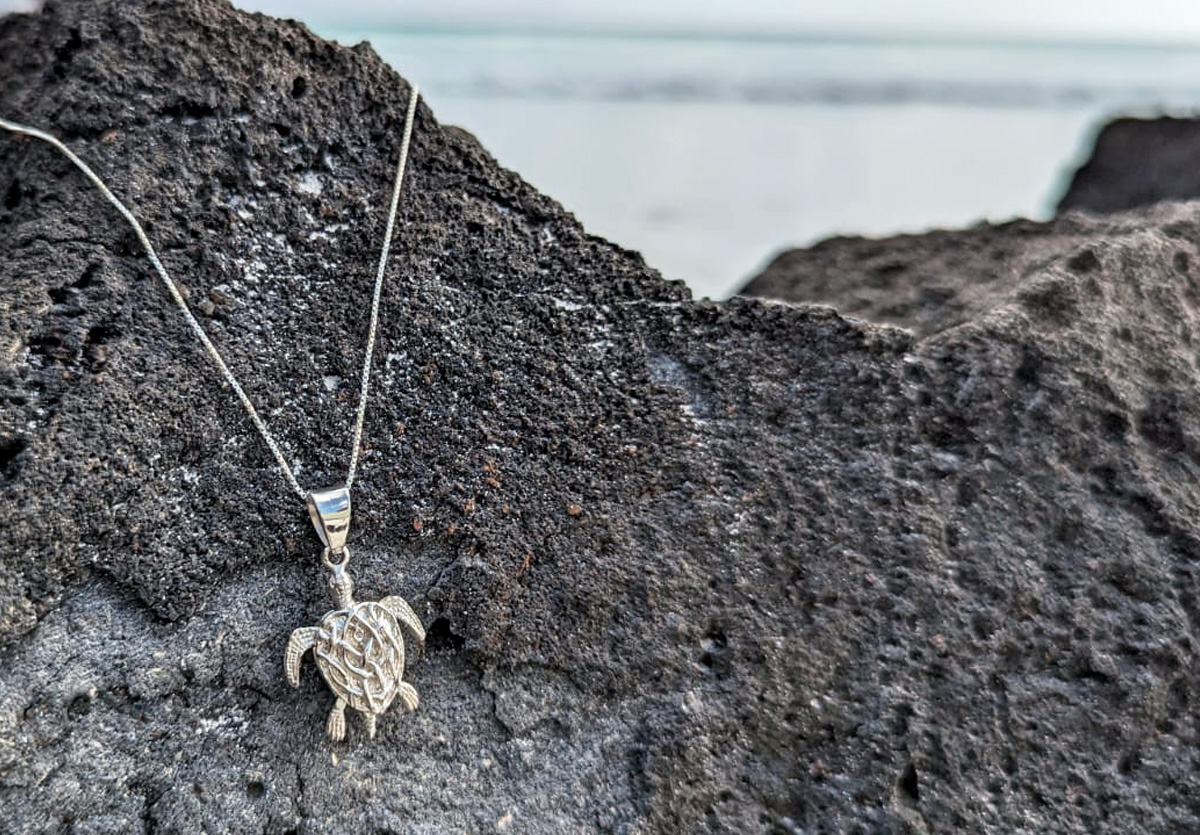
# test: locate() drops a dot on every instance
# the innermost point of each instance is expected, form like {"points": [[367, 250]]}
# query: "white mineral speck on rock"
{"points": [[310, 183]]}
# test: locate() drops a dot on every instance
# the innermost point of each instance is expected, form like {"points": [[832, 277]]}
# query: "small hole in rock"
{"points": [[102, 334], [45, 344], [64, 54], [299, 87], [1084, 261], [12, 197], [255, 789], [1126, 763], [10, 448], [439, 637], [184, 108], [713, 650], [81, 705], [717, 635], [1030, 369], [908, 782], [89, 275]]}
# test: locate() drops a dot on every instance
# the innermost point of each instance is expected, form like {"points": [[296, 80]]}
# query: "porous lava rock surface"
{"points": [[926, 282], [687, 567], [1137, 162]]}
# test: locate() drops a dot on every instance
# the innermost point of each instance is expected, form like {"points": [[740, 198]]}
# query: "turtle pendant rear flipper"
{"points": [[336, 726]]}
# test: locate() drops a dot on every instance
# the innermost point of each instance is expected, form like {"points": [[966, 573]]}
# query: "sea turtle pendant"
{"points": [[359, 647]]}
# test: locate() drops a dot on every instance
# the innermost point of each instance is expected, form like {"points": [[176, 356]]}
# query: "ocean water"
{"points": [[710, 154]]}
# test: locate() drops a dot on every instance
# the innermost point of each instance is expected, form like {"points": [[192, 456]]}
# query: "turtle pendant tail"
{"points": [[359, 650]]}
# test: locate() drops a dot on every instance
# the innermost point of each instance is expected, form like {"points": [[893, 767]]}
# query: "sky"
{"points": [[1107, 20], [1057, 19]]}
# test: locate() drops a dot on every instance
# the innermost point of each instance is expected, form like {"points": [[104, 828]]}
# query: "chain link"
{"points": [[198, 329], [364, 385]]}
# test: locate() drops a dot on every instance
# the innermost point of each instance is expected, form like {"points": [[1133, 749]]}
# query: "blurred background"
{"points": [[710, 134]]}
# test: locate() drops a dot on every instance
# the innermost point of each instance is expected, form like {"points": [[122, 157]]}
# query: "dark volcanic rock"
{"points": [[924, 282], [1138, 162], [687, 567]]}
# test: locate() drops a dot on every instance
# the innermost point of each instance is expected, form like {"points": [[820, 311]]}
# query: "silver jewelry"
{"points": [[359, 647]]}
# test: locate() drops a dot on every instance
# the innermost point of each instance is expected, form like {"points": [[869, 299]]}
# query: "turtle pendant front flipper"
{"points": [[302, 641], [404, 613]]}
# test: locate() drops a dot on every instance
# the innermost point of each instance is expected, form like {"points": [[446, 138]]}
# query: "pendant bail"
{"points": [[330, 514]]}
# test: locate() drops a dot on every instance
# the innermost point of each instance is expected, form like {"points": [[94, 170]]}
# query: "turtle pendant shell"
{"points": [[360, 653]]}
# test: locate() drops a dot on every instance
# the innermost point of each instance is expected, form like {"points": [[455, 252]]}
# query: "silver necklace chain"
{"points": [[202, 335]]}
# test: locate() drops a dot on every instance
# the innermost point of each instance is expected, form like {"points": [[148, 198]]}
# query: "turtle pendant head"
{"points": [[341, 587]]}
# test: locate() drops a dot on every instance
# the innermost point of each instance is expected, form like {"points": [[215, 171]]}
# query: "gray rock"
{"points": [[1137, 162], [926, 282], [688, 567]]}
